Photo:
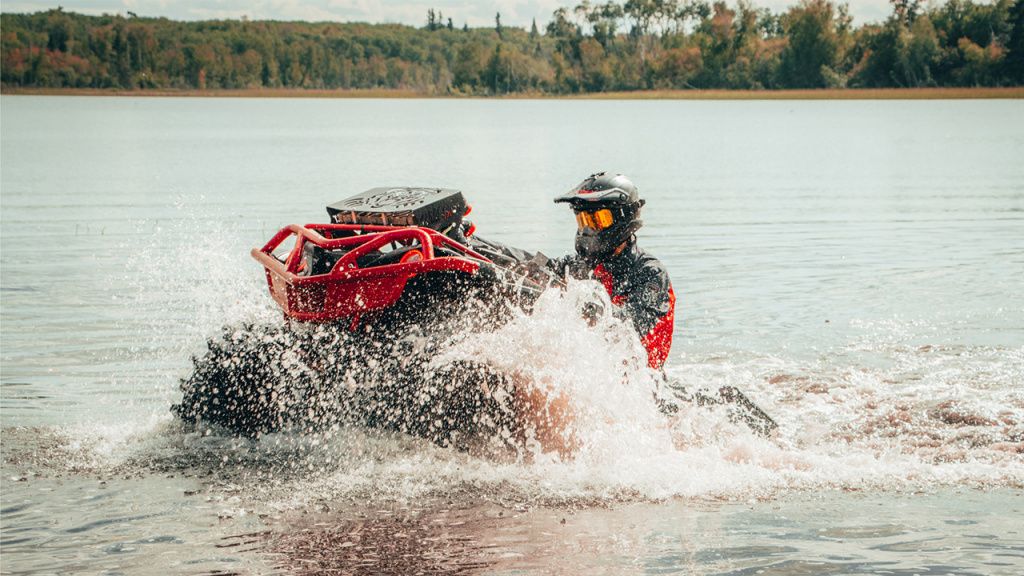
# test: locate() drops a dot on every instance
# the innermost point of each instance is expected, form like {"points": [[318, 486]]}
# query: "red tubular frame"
{"points": [[348, 291]]}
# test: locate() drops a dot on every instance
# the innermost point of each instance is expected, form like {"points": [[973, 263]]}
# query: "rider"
{"points": [[607, 208]]}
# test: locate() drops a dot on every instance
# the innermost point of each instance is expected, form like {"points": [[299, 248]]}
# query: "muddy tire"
{"points": [[256, 380]]}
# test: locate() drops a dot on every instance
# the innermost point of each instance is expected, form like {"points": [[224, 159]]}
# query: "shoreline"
{"points": [[1016, 92]]}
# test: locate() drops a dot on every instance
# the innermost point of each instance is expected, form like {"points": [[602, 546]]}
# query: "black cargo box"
{"points": [[437, 208]]}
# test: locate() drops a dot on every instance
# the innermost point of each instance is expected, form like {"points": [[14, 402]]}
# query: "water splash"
{"points": [[829, 412], [881, 412]]}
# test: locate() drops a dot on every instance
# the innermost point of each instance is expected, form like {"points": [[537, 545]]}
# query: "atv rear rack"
{"points": [[351, 289]]}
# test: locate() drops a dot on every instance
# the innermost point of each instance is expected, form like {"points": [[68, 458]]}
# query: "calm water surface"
{"points": [[855, 267]]}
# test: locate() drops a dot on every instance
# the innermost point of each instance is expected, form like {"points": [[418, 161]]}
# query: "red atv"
{"points": [[368, 299]]}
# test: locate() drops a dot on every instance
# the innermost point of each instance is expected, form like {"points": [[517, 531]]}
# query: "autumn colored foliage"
{"points": [[638, 45]]}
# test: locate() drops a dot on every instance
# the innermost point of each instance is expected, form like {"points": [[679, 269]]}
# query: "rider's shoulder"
{"points": [[646, 258]]}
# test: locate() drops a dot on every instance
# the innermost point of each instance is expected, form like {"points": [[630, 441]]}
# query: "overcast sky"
{"points": [[413, 12]]}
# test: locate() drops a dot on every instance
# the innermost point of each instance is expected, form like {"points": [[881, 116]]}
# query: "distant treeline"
{"points": [[638, 45]]}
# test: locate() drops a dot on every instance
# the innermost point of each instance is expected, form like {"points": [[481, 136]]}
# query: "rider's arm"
{"points": [[648, 297], [502, 254]]}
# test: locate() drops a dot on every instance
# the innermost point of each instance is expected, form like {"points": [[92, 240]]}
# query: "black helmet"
{"points": [[607, 208]]}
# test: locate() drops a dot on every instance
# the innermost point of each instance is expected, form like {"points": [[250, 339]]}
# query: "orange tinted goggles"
{"points": [[596, 220]]}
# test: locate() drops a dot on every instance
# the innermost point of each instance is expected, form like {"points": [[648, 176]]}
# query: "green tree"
{"points": [[1014, 61], [813, 44], [497, 74], [920, 53], [468, 66]]}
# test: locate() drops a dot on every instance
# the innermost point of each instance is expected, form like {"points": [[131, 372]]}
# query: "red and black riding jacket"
{"points": [[639, 286]]}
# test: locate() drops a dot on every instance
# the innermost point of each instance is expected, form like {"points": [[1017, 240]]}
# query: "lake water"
{"points": [[855, 267]]}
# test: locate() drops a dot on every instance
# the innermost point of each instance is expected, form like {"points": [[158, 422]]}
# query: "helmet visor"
{"points": [[594, 220]]}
